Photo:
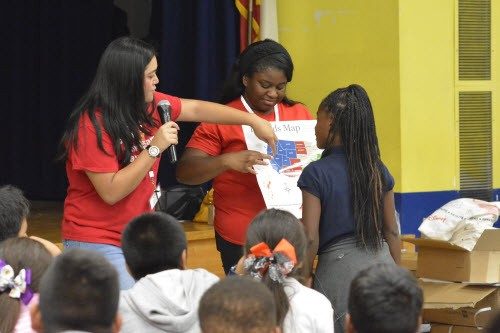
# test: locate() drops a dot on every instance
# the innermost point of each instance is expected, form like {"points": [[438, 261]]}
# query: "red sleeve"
{"points": [[295, 112], [206, 138], [88, 156], [175, 103]]}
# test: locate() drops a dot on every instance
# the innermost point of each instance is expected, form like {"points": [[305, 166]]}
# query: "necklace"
{"points": [[249, 109]]}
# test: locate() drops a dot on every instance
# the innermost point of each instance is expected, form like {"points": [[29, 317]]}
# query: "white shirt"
{"points": [[310, 311]]}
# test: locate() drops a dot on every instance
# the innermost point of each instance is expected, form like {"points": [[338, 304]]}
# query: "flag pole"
{"points": [[249, 22]]}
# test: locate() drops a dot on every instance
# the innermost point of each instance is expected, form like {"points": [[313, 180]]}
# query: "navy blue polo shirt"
{"points": [[328, 179]]}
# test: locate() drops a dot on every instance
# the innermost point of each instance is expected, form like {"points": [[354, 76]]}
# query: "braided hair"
{"points": [[353, 122], [256, 58]]}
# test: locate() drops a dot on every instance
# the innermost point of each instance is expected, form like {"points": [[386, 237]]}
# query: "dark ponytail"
{"points": [[270, 227]]}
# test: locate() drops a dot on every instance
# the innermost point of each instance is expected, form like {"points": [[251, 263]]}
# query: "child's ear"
{"points": [[117, 324], [419, 322], [23, 231], [349, 327], [184, 259], [245, 80], [36, 318], [240, 266], [129, 271]]}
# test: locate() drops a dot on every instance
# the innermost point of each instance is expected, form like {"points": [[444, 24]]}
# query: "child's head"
{"points": [[79, 291], [153, 242], [384, 298], [270, 227], [25, 260], [346, 115], [238, 304], [14, 210]]}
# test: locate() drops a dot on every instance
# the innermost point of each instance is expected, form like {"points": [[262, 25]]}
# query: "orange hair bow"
{"points": [[283, 247]]}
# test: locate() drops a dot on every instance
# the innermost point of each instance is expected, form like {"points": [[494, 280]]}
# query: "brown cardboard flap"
{"points": [[437, 328], [453, 295], [426, 242], [489, 241]]}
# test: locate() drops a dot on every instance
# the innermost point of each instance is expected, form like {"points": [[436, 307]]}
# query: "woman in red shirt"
{"points": [[113, 142], [257, 84]]}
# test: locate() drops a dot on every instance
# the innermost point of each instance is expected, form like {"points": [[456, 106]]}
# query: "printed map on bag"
{"points": [[296, 148]]}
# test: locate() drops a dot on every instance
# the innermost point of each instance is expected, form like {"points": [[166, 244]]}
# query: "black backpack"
{"points": [[181, 201]]}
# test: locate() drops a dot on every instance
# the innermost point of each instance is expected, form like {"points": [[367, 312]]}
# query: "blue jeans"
{"points": [[114, 254]]}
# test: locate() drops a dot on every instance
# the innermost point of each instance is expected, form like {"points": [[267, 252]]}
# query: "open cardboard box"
{"points": [[459, 303], [442, 260]]}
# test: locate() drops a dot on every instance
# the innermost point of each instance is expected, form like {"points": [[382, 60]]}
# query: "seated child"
{"points": [[166, 295], [14, 211], [78, 292], [238, 304], [384, 298], [22, 264], [276, 253]]}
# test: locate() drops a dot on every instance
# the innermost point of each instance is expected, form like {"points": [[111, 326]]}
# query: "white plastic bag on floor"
{"points": [[461, 221], [467, 234]]}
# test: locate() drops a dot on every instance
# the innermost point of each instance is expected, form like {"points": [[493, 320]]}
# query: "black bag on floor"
{"points": [[181, 201]]}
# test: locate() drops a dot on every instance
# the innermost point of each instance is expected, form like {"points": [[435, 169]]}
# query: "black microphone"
{"points": [[164, 109]]}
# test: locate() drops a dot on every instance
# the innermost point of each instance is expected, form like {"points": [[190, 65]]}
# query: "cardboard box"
{"points": [[409, 261], [437, 328], [442, 260], [459, 304], [405, 246]]}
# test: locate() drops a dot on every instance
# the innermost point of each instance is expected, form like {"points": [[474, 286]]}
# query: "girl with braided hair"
{"points": [[257, 84], [276, 254], [348, 202]]}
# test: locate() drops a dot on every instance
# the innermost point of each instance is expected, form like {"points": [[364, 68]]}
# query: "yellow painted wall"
{"points": [[335, 43], [404, 52], [427, 67]]}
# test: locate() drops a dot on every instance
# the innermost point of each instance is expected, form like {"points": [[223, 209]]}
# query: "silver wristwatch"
{"points": [[153, 151]]}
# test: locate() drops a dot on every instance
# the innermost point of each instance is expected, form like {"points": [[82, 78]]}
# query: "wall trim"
{"points": [[415, 206]]}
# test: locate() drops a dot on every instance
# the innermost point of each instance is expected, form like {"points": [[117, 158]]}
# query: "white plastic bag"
{"points": [[461, 221]]}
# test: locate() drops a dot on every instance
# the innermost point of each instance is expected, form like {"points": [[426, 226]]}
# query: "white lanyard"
{"points": [[249, 109]]}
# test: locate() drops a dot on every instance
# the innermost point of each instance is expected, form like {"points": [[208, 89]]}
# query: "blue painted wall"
{"points": [[413, 207]]}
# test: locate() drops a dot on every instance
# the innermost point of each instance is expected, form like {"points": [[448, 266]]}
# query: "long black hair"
{"points": [[117, 93], [257, 57], [353, 122]]}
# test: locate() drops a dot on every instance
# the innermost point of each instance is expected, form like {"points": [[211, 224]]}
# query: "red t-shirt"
{"points": [[237, 197], [87, 217]]}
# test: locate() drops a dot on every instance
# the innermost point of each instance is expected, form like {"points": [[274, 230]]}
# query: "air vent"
{"points": [[475, 144], [474, 40]]}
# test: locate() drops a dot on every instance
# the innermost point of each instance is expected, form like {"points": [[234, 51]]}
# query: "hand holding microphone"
{"points": [[164, 109]]}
